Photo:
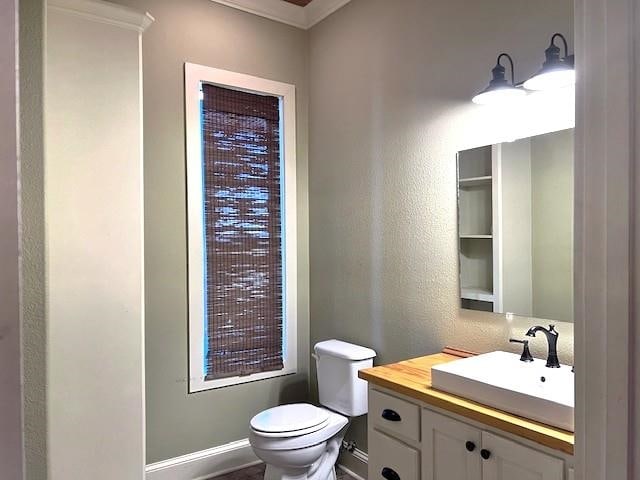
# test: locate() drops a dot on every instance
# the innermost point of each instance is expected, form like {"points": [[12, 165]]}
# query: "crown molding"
{"points": [[318, 10], [104, 12], [300, 17]]}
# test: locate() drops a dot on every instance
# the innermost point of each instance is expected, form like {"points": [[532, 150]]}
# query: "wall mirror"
{"points": [[515, 226]]}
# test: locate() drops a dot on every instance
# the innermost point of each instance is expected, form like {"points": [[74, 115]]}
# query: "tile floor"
{"points": [[257, 473]]}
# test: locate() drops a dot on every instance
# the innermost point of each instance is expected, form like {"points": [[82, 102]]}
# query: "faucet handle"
{"points": [[526, 354]]}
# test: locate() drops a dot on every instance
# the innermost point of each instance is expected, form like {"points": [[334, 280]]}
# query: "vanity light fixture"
{"points": [[499, 90], [556, 72]]}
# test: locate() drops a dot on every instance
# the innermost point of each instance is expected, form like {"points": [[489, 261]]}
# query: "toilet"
{"points": [[301, 441]]}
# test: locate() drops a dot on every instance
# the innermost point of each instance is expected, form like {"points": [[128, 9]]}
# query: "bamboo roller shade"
{"points": [[243, 238]]}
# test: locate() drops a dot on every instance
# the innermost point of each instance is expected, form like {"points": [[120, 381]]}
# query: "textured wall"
{"points": [[11, 448], [203, 32], [33, 266], [390, 106], [390, 90]]}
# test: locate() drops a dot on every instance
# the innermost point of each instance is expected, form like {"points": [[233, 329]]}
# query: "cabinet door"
{"points": [[508, 460], [390, 459], [450, 449]]}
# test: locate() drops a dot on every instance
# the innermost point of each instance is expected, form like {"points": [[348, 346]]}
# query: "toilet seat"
{"points": [[290, 420], [300, 438]]}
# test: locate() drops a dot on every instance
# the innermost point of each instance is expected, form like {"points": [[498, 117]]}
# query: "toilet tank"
{"points": [[339, 387]]}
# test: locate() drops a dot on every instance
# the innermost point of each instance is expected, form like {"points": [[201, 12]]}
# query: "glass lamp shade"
{"points": [[499, 95], [552, 78], [556, 72]]}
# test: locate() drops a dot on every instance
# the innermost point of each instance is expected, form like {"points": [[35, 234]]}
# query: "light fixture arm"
{"points": [[556, 72], [499, 86], [508, 57], [564, 42]]}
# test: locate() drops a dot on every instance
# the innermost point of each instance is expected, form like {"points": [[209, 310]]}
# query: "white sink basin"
{"points": [[502, 381]]}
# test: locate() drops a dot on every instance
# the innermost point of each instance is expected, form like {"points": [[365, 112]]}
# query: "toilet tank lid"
{"points": [[340, 349]]}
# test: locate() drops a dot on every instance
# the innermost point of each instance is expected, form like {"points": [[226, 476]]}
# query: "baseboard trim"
{"points": [[204, 464], [230, 457], [351, 473], [363, 459], [360, 455]]}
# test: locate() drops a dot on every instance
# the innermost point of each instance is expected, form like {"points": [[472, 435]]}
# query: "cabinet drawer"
{"points": [[391, 460], [394, 415]]}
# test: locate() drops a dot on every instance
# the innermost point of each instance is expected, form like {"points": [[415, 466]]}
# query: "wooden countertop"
{"points": [[413, 379]]}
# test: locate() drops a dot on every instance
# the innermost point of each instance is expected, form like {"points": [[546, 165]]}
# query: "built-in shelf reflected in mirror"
{"points": [[515, 226]]}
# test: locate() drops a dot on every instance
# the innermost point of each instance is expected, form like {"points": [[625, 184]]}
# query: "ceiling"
{"points": [[302, 3], [299, 13]]}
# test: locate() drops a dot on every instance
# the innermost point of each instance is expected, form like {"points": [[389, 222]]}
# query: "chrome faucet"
{"points": [[552, 339]]}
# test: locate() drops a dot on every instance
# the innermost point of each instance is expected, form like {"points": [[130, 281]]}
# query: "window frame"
{"points": [[194, 76]]}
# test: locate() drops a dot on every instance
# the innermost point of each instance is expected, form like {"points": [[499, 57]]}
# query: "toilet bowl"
{"points": [[301, 441], [298, 441]]}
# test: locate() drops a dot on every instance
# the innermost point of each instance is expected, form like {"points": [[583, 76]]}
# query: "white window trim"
{"points": [[194, 76]]}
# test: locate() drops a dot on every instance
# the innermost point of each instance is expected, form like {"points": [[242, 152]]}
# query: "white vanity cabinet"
{"points": [[409, 440], [450, 449]]}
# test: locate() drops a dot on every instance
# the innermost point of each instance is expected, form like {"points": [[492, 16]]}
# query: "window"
{"points": [[242, 227]]}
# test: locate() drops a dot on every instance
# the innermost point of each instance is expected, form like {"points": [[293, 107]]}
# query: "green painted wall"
{"points": [[203, 32]]}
